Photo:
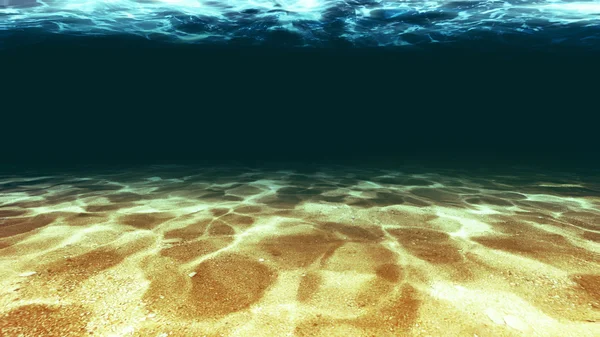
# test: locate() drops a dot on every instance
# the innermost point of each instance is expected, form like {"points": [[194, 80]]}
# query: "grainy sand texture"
{"points": [[335, 251]]}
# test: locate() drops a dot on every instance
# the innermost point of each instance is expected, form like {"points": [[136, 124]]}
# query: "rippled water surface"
{"points": [[312, 22]]}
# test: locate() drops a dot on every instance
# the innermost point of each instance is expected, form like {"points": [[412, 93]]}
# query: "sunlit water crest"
{"points": [[311, 22]]}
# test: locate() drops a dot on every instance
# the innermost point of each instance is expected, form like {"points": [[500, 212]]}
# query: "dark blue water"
{"points": [[171, 81]]}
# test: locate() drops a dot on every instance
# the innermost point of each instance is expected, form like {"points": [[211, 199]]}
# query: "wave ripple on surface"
{"points": [[358, 23]]}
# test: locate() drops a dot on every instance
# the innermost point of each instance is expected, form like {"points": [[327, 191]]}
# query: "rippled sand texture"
{"points": [[175, 251]]}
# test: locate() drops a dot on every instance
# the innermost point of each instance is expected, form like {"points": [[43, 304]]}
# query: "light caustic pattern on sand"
{"points": [[175, 251], [362, 23]]}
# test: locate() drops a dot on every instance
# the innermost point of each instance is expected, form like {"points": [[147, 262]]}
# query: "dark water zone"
{"points": [[180, 81]]}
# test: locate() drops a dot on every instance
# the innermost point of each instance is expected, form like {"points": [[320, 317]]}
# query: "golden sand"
{"points": [[176, 251]]}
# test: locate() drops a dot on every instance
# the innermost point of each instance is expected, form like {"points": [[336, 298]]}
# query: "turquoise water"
{"points": [[310, 23]]}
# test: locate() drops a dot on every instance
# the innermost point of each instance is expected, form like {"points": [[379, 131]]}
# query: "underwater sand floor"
{"points": [[180, 251]]}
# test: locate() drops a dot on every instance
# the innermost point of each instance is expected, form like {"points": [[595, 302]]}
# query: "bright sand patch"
{"points": [[240, 252]]}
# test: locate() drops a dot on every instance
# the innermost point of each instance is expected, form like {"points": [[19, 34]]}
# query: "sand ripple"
{"points": [[339, 251]]}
